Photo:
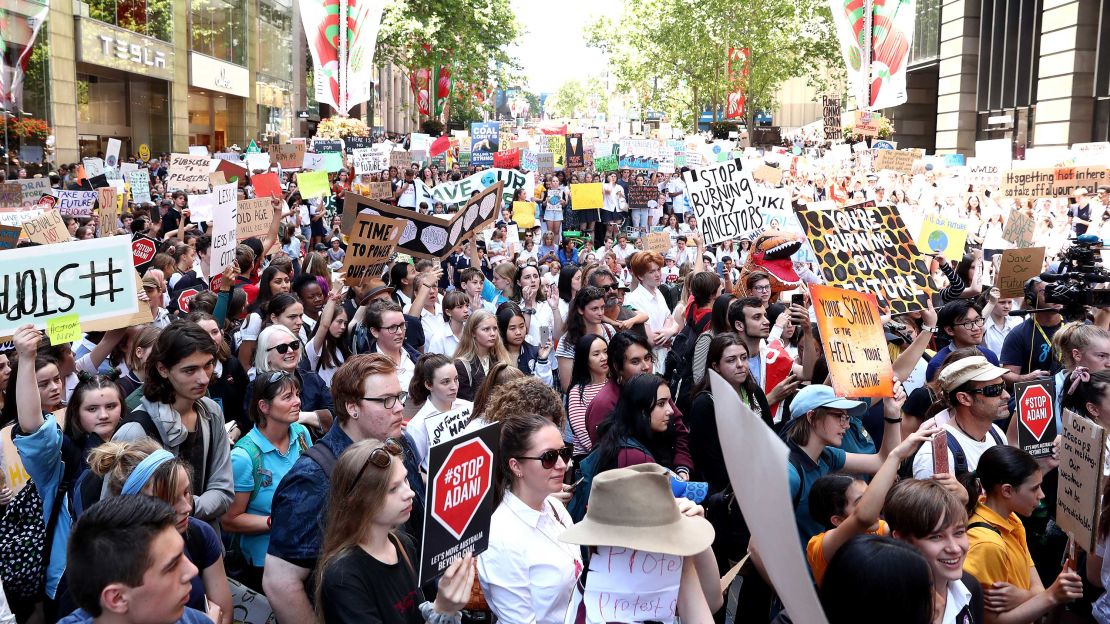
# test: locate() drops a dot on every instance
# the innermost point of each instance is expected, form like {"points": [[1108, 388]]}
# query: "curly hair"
{"points": [[524, 396]]}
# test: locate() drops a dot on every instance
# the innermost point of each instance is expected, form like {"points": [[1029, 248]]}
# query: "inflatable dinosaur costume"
{"points": [[770, 254]]}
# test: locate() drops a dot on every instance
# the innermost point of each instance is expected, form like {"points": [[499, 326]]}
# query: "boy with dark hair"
{"points": [[127, 564]]}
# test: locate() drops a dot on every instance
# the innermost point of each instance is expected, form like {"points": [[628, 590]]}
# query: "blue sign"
{"points": [[954, 160], [483, 142], [879, 144]]}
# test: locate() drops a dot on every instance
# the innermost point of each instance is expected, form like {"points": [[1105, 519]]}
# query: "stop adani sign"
{"points": [[1036, 411], [459, 499]]}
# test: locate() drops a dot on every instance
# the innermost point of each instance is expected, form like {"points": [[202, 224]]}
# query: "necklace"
{"points": [[958, 426]]}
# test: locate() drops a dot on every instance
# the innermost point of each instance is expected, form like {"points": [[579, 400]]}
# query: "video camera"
{"points": [[1073, 285]]}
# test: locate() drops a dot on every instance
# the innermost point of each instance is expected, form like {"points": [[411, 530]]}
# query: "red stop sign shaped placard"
{"points": [[142, 250], [461, 485], [1036, 411]]}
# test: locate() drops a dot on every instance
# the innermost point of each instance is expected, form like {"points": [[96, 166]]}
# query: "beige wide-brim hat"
{"points": [[635, 508]]}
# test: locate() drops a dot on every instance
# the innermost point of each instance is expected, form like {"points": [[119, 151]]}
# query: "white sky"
{"points": [[553, 47]]}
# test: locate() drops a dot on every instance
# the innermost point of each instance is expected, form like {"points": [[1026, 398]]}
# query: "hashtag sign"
{"points": [[96, 278]]}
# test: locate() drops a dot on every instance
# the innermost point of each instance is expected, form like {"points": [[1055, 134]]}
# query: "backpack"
{"points": [[586, 471], [679, 370], [958, 455], [298, 432]]}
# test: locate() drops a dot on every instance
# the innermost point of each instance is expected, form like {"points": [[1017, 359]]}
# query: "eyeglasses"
{"points": [[843, 417], [381, 457], [764, 288], [285, 347], [991, 391], [970, 325], [389, 401], [393, 329], [548, 458]]}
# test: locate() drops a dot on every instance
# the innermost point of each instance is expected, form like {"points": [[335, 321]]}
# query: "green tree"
{"points": [[568, 101], [673, 53]]}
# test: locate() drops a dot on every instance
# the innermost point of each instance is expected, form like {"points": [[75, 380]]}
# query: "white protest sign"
{"points": [[126, 168], [198, 150], [111, 155], [224, 221], [1092, 153], [446, 426], [187, 173], [16, 218], [258, 162], [140, 186], [93, 166], [313, 162], [626, 585], [756, 460], [981, 172], [202, 207], [75, 203], [368, 160], [724, 200]]}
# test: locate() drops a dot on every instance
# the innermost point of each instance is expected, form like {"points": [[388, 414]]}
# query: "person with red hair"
{"points": [[660, 327]]}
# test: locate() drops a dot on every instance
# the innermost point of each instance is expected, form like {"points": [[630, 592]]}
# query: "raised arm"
{"points": [[27, 398]]}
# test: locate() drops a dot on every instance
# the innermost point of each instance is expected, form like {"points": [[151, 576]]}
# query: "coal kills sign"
{"points": [[1036, 408], [725, 201], [459, 499]]}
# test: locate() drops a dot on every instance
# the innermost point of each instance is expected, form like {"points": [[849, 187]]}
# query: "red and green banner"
{"points": [[341, 38], [20, 22], [875, 57]]}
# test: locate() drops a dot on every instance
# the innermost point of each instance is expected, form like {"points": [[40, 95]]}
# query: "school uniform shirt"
{"points": [[958, 608], [815, 553], [1002, 556], [444, 343], [527, 574], [542, 317], [973, 450], [938, 359], [655, 305], [994, 336]]}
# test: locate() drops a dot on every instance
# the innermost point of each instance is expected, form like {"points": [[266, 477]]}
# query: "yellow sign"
{"points": [[144, 152], [946, 237], [854, 342], [524, 213], [586, 196], [63, 329], [313, 184]]}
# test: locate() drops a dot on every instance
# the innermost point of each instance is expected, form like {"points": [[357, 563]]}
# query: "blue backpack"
{"points": [[586, 471]]}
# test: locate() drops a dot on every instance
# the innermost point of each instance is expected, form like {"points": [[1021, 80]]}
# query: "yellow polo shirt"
{"points": [[815, 551], [1002, 556]]}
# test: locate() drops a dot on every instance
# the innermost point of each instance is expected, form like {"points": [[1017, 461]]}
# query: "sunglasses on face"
{"points": [[285, 347], [991, 391], [548, 458], [381, 457]]}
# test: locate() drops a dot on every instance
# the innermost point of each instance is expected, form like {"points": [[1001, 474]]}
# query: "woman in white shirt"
{"points": [[527, 574], [539, 303], [435, 389]]}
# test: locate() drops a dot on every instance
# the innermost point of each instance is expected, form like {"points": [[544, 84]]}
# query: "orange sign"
{"points": [[854, 342]]}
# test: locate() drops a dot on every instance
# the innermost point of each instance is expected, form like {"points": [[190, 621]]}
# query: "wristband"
{"points": [[931, 330], [269, 523], [431, 616], [892, 421]]}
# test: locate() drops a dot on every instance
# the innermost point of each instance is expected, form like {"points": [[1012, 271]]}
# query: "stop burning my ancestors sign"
{"points": [[725, 202]]}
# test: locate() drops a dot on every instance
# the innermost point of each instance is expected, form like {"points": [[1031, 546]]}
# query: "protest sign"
{"points": [[1067, 179], [445, 426], [253, 217], [459, 499], [187, 173], [854, 343], [17, 217], [224, 220], [866, 248], [557, 145], [234, 171], [333, 162], [893, 160], [524, 213], [866, 123], [640, 194], [528, 160], [767, 175], [545, 163], [1019, 228], [982, 173], [943, 236], [327, 146], [63, 329], [93, 167], [216, 178], [9, 236], [99, 181], [756, 460], [626, 585], [106, 203], [724, 200], [1017, 266], [399, 159], [605, 163], [1092, 153], [586, 196], [313, 184], [507, 159], [201, 207], [352, 143], [266, 185], [575, 151], [288, 156], [33, 188], [831, 114], [198, 150], [659, 242], [430, 236], [1036, 414], [91, 278], [46, 228], [1080, 485], [372, 241], [140, 186], [452, 193], [642, 154], [380, 190], [11, 194], [76, 203], [1028, 182], [367, 161], [484, 141], [314, 162], [143, 249], [111, 154]]}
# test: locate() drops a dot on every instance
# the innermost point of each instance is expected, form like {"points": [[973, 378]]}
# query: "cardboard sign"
{"points": [[399, 159], [626, 585], [90, 278], [140, 186], [756, 460], [767, 175], [266, 185], [892, 160], [429, 236], [524, 213], [947, 237], [106, 204], [76, 203], [372, 241], [380, 190], [854, 342], [866, 123], [1080, 486], [224, 220], [658, 242], [638, 195], [449, 425], [1036, 413], [216, 178], [545, 163], [866, 248], [187, 173], [33, 188], [1019, 228], [313, 184], [47, 228], [459, 499], [288, 156], [725, 201], [253, 218], [1017, 266], [9, 236], [586, 196], [1067, 179], [11, 194]]}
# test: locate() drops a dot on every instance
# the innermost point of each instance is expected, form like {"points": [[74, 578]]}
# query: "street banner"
{"points": [[20, 29], [187, 173], [866, 248], [224, 220], [940, 235], [253, 218], [484, 140], [459, 501], [876, 76], [372, 241], [1017, 266], [76, 203], [453, 193], [725, 201], [342, 61], [1080, 486], [430, 236], [586, 196], [93, 279], [854, 342], [1036, 414]]}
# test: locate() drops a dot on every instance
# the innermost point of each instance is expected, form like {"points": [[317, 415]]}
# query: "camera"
{"points": [[1073, 286]]}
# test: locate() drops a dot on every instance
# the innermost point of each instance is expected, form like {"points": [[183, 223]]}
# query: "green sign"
{"points": [[253, 148], [605, 163]]}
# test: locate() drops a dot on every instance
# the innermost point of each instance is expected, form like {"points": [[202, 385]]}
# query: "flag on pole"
{"points": [[20, 22], [876, 61], [342, 58]]}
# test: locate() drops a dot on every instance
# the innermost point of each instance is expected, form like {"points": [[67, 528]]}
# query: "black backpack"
{"points": [[679, 368]]}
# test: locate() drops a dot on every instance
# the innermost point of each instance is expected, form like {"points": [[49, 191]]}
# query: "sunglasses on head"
{"points": [[285, 347], [381, 457], [548, 458], [990, 391]]}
